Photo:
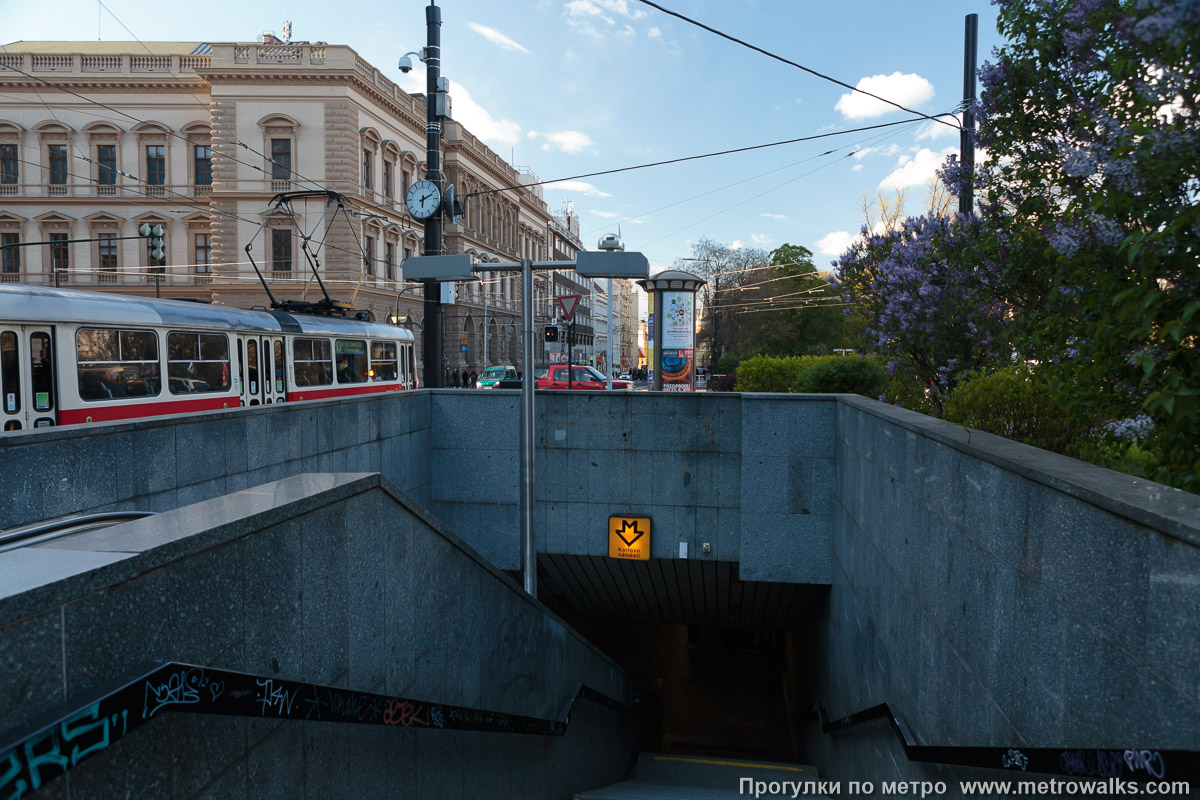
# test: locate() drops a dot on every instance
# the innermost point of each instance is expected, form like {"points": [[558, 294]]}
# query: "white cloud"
{"points": [[836, 243], [737, 244], [586, 15], [775, 216], [473, 116], [604, 214], [571, 142], [580, 187], [798, 100], [637, 220], [496, 37], [654, 33], [915, 170], [856, 168], [906, 89], [761, 238], [936, 130]]}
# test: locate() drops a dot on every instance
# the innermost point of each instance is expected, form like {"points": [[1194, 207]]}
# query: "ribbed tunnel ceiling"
{"points": [[677, 591]]}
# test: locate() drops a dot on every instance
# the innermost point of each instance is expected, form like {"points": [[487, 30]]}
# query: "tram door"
{"points": [[262, 370], [28, 391]]}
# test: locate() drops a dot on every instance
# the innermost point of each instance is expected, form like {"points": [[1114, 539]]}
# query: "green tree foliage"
{"points": [[787, 308], [1090, 116], [724, 268]]}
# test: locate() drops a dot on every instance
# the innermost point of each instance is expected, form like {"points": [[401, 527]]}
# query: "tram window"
{"points": [[383, 361], [312, 362], [278, 367], [197, 362], [351, 360], [252, 366], [117, 364], [10, 372], [41, 375]]}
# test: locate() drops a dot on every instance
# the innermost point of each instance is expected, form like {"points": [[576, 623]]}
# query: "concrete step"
{"points": [[668, 777]]}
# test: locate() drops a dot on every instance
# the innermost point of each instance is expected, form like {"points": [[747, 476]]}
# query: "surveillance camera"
{"points": [[405, 64]]}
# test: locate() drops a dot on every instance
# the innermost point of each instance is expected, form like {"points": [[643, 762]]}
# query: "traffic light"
{"points": [[155, 234], [551, 333]]}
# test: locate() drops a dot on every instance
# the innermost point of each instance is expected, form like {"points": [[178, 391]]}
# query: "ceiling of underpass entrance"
{"points": [[675, 591]]}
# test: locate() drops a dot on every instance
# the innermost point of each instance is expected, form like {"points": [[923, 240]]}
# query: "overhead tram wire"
{"points": [[878, 137], [765, 192], [789, 62], [696, 157]]}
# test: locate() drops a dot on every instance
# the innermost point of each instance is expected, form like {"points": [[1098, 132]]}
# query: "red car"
{"points": [[555, 377]]}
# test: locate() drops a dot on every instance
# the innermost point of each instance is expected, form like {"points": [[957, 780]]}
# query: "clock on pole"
{"points": [[423, 199]]}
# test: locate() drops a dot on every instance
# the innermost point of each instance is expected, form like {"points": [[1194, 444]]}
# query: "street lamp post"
{"points": [[459, 267]]}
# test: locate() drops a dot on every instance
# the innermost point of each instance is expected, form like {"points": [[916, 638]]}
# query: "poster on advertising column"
{"points": [[678, 321], [678, 338], [677, 370]]}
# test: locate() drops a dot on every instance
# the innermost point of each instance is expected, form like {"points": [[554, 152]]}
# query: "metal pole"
{"points": [[966, 199], [608, 356], [528, 534], [432, 339], [484, 287]]}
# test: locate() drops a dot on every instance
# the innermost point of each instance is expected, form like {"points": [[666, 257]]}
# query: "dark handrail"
{"points": [[43, 752], [44, 531], [1133, 764]]}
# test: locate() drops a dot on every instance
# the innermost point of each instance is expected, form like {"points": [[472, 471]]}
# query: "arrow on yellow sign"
{"points": [[629, 538]]}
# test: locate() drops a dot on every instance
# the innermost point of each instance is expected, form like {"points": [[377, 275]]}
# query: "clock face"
{"points": [[423, 199]]}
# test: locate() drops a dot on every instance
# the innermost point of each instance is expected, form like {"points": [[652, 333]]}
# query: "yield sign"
{"points": [[568, 303]]}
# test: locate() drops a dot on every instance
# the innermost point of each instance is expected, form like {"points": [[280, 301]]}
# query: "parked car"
{"points": [[491, 377], [555, 376], [626, 376]]}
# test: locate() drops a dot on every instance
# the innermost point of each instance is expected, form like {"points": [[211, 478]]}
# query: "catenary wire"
{"points": [[769, 54], [693, 158]]}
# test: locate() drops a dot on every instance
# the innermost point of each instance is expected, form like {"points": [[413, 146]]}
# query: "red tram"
{"points": [[71, 357]]}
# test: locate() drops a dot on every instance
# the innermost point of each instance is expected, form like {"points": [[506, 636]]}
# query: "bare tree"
{"points": [[725, 268]]}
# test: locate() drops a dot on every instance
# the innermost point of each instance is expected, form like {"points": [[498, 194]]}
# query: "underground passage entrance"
{"points": [[720, 665]]}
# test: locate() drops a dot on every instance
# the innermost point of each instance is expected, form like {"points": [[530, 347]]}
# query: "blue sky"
{"points": [[567, 87]]}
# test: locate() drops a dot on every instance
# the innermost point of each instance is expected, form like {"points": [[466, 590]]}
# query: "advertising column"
{"points": [[678, 341], [672, 329]]}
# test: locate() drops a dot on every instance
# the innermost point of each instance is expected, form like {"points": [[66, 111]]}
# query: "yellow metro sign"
{"points": [[629, 537]]}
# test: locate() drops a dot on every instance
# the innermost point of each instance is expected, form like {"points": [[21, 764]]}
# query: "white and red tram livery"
{"points": [[71, 357]]}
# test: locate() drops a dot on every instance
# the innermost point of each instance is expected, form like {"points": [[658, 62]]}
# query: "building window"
{"points": [[12, 255], [369, 256], [387, 179], [156, 165], [108, 251], [203, 165], [389, 261], [9, 166], [281, 250], [281, 157], [58, 164], [203, 253], [60, 253], [106, 162], [368, 166]]}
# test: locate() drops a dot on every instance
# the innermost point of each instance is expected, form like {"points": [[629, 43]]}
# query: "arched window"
{"points": [[281, 135]]}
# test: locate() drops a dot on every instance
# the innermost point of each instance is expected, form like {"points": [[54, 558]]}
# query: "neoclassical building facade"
{"points": [[97, 138]]}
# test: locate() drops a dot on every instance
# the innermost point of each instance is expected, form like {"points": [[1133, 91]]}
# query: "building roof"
{"points": [[105, 48]]}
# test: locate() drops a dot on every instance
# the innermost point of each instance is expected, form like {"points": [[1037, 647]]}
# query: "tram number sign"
{"points": [[629, 537]]}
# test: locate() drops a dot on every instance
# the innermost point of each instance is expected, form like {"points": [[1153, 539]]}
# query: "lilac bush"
{"points": [[929, 301]]}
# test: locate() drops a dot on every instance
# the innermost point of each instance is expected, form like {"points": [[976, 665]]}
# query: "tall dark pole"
{"points": [[966, 198], [431, 342]]}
